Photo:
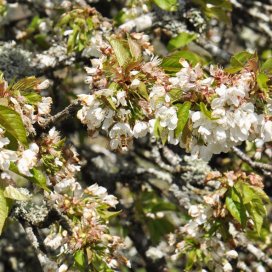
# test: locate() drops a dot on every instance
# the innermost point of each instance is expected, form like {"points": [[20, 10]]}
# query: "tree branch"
{"points": [[65, 113], [265, 168]]}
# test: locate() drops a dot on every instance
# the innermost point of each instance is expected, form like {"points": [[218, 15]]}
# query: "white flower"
{"points": [[63, 268], [63, 185], [194, 211], [140, 129], [28, 160], [121, 98], [266, 131], [44, 107], [91, 71], [119, 130], [43, 85], [97, 190], [135, 83], [7, 156], [154, 253], [86, 99], [111, 200], [227, 267], [53, 242], [168, 117], [232, 254]]}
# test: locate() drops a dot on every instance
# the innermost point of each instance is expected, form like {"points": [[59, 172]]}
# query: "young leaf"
{"points": [[237, 210], [168, 5], [257, 211], [183, 116], [204, 110], [121, 52], [14, 193], [38, 178], [13, 124], [80, 259], [262, 80], [171, 63], [5, 205], [238, 61], [134, 48], [267, 67], [181, 40]]}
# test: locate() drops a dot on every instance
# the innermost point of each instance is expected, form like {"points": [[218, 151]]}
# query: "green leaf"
{"points": [[237, 210], [183, 116], [160, 132], [13, 124], [171, 63], [204, 110], [168, 5], [121, 52], [181, 40], [143, 91], [238, 61], [245, 192], [14, 193], [135, 48], [5, 205], [80, 259], [261, 194], [109, 101], [108, 214], [262, 80], [32, 98], [267, 67], [71, 43], [257, 212], [156, 128], [25, 84], [175, 95], [38, 178]]}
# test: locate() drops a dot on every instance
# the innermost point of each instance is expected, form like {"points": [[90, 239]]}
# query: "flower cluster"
{"points": [[213, 219], [218, 111], [53, 166]]}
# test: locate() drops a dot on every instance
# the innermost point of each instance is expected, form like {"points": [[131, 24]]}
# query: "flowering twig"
{"points": [[265, 168]]}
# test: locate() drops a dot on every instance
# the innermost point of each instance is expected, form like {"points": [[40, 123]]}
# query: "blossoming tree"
{"points": [[135, 135]]}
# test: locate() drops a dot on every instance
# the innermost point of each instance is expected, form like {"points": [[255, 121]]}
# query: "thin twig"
{"points": [[71, 109], [265, 168]]}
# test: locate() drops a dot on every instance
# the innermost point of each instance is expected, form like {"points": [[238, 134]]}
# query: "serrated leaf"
{"points": [[38, 178], [135, 48], [13, 124], [25, 84], [168, 5], [143, 91], [257, 212], [262, 80], [183, 116], [238, 61], [80, 259], [32, 98], [204, 110], [15, 194], [237, 210], [183, 39], [108, 214], [171, 63], [175, 95], [245, 191], [5, 205], [121, 52], [267, 66]]}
